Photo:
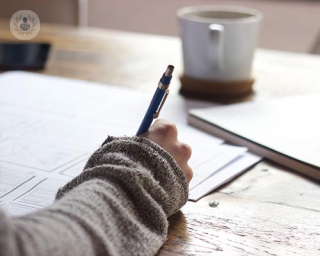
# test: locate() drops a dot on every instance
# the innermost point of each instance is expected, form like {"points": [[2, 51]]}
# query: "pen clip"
{"points": [[156, 115]]}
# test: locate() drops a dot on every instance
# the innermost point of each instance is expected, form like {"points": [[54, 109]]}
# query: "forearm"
{"points": [[118, 206]]}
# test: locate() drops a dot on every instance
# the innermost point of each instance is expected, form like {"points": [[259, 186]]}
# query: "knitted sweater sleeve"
{"points": [[118, 206]]}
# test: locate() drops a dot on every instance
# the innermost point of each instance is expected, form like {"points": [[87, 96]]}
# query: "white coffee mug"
{"points": [[218, 41]]}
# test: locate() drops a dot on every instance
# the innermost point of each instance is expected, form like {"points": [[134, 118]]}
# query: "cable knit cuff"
{"points": [[131, 160]]}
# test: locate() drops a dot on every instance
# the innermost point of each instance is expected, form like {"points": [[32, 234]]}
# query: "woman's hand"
{"points": [[165, 134]]}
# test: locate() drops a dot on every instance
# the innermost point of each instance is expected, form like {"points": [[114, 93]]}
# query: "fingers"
{"points": [[168, 136], [184, 151], [165, 128], [165, 134], [188, 173], [162, 132], [181, 152]]}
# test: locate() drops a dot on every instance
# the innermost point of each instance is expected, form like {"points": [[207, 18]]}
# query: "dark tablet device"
{"points": [[23, 56]]}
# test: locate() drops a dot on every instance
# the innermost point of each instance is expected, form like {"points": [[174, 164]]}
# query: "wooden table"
{"points": [[269, 210]]}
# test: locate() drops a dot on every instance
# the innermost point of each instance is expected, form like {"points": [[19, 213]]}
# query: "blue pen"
{"points": [[157, 101]]}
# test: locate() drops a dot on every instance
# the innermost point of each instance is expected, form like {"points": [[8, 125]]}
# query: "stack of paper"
{"points": [[50, 126]]}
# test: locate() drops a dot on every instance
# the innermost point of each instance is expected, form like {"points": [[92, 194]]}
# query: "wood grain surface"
{"points": [[269, 210]]}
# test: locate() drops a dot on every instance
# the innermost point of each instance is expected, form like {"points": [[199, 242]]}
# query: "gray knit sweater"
{"points": [[118, 206]]}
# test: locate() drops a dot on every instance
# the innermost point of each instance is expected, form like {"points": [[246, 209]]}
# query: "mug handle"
{"points": [[216, 37]]}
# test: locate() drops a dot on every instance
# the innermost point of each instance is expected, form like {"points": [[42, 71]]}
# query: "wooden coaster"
{"points": [[202, 89]]}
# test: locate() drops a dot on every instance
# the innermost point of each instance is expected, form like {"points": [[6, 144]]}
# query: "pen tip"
{"points": [[169, 71]]}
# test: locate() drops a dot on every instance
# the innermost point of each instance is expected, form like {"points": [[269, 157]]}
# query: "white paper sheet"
{"points": [[50, 126], [234, 168], [222, 155], [75, 169], [13, 209], [36, 154], [42, 194], [10, 180]]}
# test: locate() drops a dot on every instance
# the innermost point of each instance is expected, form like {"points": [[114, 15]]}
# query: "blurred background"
{"points": [[289, 25]]}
